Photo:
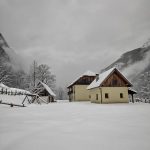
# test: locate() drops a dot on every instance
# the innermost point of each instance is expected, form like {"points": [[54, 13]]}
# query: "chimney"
{"points": [[97, 77]]}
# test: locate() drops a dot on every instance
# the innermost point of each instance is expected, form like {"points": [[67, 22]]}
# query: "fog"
{"points": [[73, 36], [137, 67]]}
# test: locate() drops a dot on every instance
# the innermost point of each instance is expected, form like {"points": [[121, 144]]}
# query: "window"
{"points": [[114, 82], [106, 95], [96, 96], [89, 96], [121, 95]]}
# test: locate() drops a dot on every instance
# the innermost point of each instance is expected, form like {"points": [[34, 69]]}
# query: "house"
{"points": [[44, 92], [78, 88], [110, 86]]}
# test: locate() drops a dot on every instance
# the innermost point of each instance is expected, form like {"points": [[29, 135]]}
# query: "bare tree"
{"points": [[31, 78], [6, 74], [41, 72], [21, 80], [61, 93], [44, 74]]}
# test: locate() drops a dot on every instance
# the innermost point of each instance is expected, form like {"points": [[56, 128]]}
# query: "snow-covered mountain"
{"points": [[11, 72], [3, 55], [135, 65], [8, 55]]}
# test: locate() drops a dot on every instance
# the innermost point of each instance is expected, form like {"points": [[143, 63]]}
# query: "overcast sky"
{"points": [[73, 36]]}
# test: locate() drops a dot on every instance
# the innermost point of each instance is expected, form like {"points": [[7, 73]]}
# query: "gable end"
{"points": [[115, 79]]}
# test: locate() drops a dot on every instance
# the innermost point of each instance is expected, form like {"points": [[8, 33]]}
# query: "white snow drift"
{"points": [[75, 126]]}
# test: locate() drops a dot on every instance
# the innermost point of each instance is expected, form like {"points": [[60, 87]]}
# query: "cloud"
{"points": [[138, 67], [73, 36]]}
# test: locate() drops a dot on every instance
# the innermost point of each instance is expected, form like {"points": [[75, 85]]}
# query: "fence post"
{"points": [[6, 91]]}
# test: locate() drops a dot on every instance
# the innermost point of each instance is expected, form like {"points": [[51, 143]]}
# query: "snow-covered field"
{"points": [[75, 126]]}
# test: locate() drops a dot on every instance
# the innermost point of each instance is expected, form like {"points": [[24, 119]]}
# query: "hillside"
{"points": [[135, 65], [11, 73], [3, 55]]}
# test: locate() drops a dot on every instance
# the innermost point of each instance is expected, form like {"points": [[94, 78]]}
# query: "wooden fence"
{"points": [[138, 100], [10, 92]]}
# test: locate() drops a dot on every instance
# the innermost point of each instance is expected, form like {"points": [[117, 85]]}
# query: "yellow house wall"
{"points": [[81, 93], [93, 93], [113, 92]]}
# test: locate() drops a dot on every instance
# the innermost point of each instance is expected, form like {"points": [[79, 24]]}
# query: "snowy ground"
{"points": [[75, 126], [15, 99]]}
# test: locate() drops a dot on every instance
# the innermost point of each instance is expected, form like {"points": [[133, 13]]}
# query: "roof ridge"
{"points": [[103, 76], [91, 73]]}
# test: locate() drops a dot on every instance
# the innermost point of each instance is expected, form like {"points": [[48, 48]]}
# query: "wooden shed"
{"points": [[45, 92]]}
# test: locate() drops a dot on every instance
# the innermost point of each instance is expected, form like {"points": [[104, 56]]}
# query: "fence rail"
{"points": [[11, 104], [142, 100], [9, 92]]}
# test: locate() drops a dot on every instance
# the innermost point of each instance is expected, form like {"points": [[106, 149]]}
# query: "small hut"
{"points": [[44, 92]]}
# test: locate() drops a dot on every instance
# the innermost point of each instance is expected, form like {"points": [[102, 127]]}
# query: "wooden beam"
{"points": [[132, 98]]}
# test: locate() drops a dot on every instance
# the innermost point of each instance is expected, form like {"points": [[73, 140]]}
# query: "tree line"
{"points": [[20, 79], [27, 80]]}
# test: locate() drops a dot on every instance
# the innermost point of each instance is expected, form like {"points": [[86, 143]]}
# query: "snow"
{"points": [[19, 90], [87, 73], [15, 99], [102, 77], [131, 89], [75, 126], [3, 86], [48, 89], [14, 90]]}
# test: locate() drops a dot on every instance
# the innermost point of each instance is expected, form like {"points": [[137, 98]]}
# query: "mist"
{"points": [[136, 68], [17, 62], [73, 36]]}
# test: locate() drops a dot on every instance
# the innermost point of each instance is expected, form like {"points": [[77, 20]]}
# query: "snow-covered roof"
{"points": [[132, 90], [3, 86], [87, 73], [101, 78], [48, 89]]}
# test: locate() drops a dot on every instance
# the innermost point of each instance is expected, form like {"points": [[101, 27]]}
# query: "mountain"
{"points": [[135, 65], [11, 72], [9, 55], [3, 55]]}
